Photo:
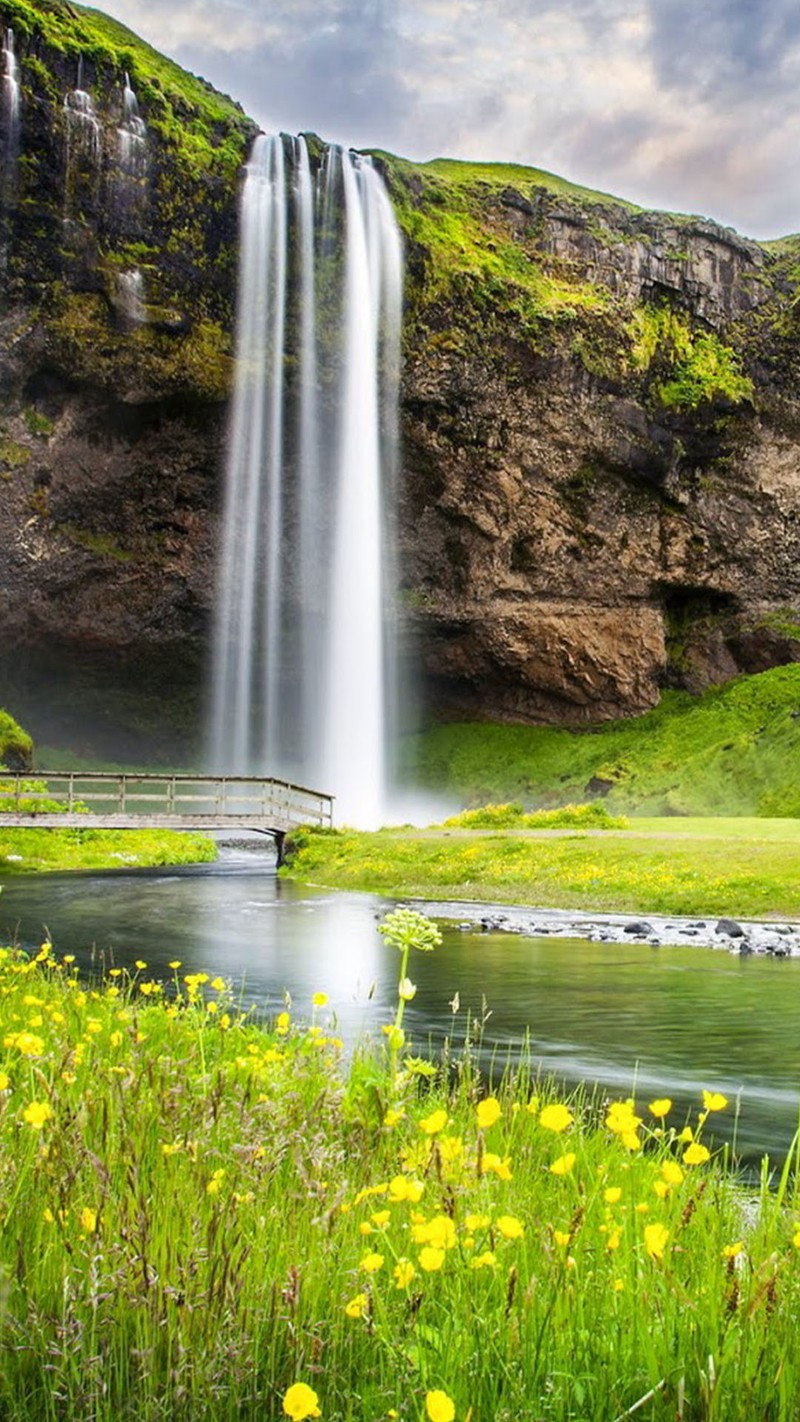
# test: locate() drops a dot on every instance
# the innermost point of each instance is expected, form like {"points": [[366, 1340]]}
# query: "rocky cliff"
{"points": [[601, 468], [602, 459]]}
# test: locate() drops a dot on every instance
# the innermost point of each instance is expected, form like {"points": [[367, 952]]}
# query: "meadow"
{"points": [[741, 867], [384, 1237]]}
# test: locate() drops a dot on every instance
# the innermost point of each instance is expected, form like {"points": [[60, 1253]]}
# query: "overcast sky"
{"points": [[691, 105]]}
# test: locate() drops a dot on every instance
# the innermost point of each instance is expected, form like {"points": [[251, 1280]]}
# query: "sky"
{"points": [[688, 105]]}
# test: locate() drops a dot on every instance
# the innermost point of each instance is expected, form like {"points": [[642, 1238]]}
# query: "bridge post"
{"points": [[280, 839]]}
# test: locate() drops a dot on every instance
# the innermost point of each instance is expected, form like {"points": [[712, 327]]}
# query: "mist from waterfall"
{"points": [[303, 645]]}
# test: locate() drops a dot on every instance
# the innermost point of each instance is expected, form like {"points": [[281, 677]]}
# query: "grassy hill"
{"points": [[733, 751]]}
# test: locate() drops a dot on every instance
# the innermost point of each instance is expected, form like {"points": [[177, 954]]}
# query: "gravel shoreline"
{"points": [[741, 936]]}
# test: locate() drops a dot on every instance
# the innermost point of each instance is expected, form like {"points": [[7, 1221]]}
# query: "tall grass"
{"points": [[207, 1218]]}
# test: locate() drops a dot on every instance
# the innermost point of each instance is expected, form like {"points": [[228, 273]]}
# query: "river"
{"points": [[671, 1020]]}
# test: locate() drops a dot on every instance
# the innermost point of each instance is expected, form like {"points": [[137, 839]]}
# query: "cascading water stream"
{"points": [[302, 651], [83, 134], [131, 135], [11, 101]]}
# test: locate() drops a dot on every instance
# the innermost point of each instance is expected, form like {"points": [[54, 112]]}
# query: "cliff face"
{"points": [[601, 468], [119, 274], [603, 473]]}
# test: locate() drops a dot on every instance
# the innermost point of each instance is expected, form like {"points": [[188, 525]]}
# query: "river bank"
{"points": [[694, 868], [50, 851], [743, 937]]}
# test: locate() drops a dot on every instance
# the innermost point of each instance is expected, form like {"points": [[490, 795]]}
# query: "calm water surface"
{"points": [[673, 1019]]}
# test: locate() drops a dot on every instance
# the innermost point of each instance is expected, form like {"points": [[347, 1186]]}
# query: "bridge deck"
{"points": [[104, 800]]}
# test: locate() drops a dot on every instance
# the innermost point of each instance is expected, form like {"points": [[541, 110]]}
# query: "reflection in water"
{"points": [[669, 1021]]}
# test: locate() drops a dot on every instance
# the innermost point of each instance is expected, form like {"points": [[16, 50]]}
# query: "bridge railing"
{"points": [[228, 797]]}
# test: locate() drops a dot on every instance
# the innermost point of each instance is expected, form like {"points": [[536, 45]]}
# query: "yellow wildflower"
{"points": [[439, 1407], [696, 1154], [301, 1401], [434, 1123], [357, 1307], [393, 1115], [473, 1223], [494, 1164], [404, 1272], [450, 1148], [660, 1108], [488, 1112], [5, 1081], [714, 1101], [621, 1118], [510, 1227], [655, 1240], [556, 1118], [402, 1188], [36, 1113], [487, 1260], [612, 1195], [613, 1240], [371, 1263], [282, 1027], [28, 1043], [87, 1220], [661, 1188], [561, 1237], [218, 984], [381, 1218], [440, 1232], [730, 1251], [431, 1259], [671, 1172], [564, 1164]]}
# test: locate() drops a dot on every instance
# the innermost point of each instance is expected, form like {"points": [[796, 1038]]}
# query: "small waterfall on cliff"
{"points": [[302, 654], [131, 135], [83, 125], [130, 303], [83, 148], [11, 102]]}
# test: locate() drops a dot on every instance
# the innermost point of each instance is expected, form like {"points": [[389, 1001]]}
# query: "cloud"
{"points": [[667, 102]]}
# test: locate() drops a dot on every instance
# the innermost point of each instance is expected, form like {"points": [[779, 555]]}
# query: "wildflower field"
{"points": [[204, 1217]]}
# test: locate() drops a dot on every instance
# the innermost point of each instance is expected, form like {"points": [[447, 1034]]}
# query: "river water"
{"points": [[670, 1021]]}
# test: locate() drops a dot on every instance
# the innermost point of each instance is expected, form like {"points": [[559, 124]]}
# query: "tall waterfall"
{"points": [[303, 649]]}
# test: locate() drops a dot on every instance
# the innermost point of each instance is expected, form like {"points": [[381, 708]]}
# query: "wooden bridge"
{"points": [[103, 800]]}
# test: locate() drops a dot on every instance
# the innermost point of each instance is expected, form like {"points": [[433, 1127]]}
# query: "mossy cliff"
{"points": [[112, 405], [600, 472], [601, 445]]}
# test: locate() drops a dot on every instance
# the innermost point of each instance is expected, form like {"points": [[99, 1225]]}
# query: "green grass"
{"points": [[734, 750], [747, 868], [16, 745], [27, 851], [401, 1241], [512, 816]]}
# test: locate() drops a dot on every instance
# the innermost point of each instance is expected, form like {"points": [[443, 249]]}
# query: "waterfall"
{"points": [[83, 134], [302, 647], [11, 104], [131, 298], [131, 135]]}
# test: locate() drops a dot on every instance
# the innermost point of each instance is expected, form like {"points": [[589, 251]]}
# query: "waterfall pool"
{"points": [[666, 1022]]}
